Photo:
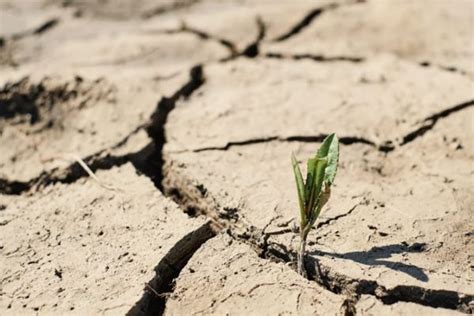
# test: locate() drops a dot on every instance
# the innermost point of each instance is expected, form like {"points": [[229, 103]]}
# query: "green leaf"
{"points": [[299, 188], [330, 150], [321, 171], [316, 171], [323, 198], [310, 175]]}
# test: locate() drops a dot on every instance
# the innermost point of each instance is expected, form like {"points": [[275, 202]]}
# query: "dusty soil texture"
{"points": [[145, 156]]}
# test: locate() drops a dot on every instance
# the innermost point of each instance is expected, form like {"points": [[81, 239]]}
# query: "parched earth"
{"points": [[145, 156]]}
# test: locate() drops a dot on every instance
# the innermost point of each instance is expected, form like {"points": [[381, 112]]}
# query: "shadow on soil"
{"points": [[374, 256]]}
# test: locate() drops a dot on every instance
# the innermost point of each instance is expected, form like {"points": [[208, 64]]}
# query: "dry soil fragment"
{"points": [[236, 21], [405, 228], [127, 46], [256, 181], [378, 100], [95, 42], [82, 248], [370, 306], [20, 18], [227, 277], [43, 122], [441, 34]]}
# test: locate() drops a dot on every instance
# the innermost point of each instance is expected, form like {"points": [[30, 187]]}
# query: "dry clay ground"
{"points": [[187, 113]]}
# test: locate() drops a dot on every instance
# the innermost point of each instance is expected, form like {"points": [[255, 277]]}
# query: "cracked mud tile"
{"points": [[80, 248], [102, 45], [389, 229], [370, 306], [235, 20], [443, 154], [417, 239], [97, 43], [261, 179], [226, 277], [126, 9], [440, 35], [132, 148], [429, 123], [27, 18], [287, 99], [43, 121], [171, 7], [414, 235]]}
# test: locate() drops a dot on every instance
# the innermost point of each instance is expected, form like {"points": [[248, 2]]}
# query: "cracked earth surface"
{"points": [[186, 113]]}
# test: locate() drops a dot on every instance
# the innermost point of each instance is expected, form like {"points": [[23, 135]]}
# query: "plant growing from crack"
{"points": [[314, 193]]}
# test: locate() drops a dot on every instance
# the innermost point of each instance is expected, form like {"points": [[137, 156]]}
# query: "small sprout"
{"points": [[314, 193]]}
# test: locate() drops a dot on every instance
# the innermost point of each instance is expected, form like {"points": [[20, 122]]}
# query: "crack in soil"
{"points": [[101, 160], [339, 283], [309, 18], [229, 45], [253, 49], [153, 164], [443, 67], [430, 122], [169, 7], [316, 58], [385, 146], [44, 27], [10, 187], [335, 218], [154, 298], [345, 140]]}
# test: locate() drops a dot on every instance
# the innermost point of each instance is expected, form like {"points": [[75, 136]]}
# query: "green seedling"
{"points": [[314, 193]]}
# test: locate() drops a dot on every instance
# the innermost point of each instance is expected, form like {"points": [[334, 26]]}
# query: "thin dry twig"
{"points": [[80, 161], [155, 292]]}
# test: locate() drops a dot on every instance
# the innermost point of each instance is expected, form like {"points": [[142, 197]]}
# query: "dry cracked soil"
{"points": [[145, 156]]}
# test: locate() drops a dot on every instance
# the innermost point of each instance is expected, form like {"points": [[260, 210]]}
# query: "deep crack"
{"points": [[153, 301], [13, 187], [148, 160], [156, 128], [338, 283]]}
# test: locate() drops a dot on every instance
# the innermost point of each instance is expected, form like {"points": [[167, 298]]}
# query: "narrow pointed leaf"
{"points": [[299, 187], [310, 175], [318, 167], [318, 181]]}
